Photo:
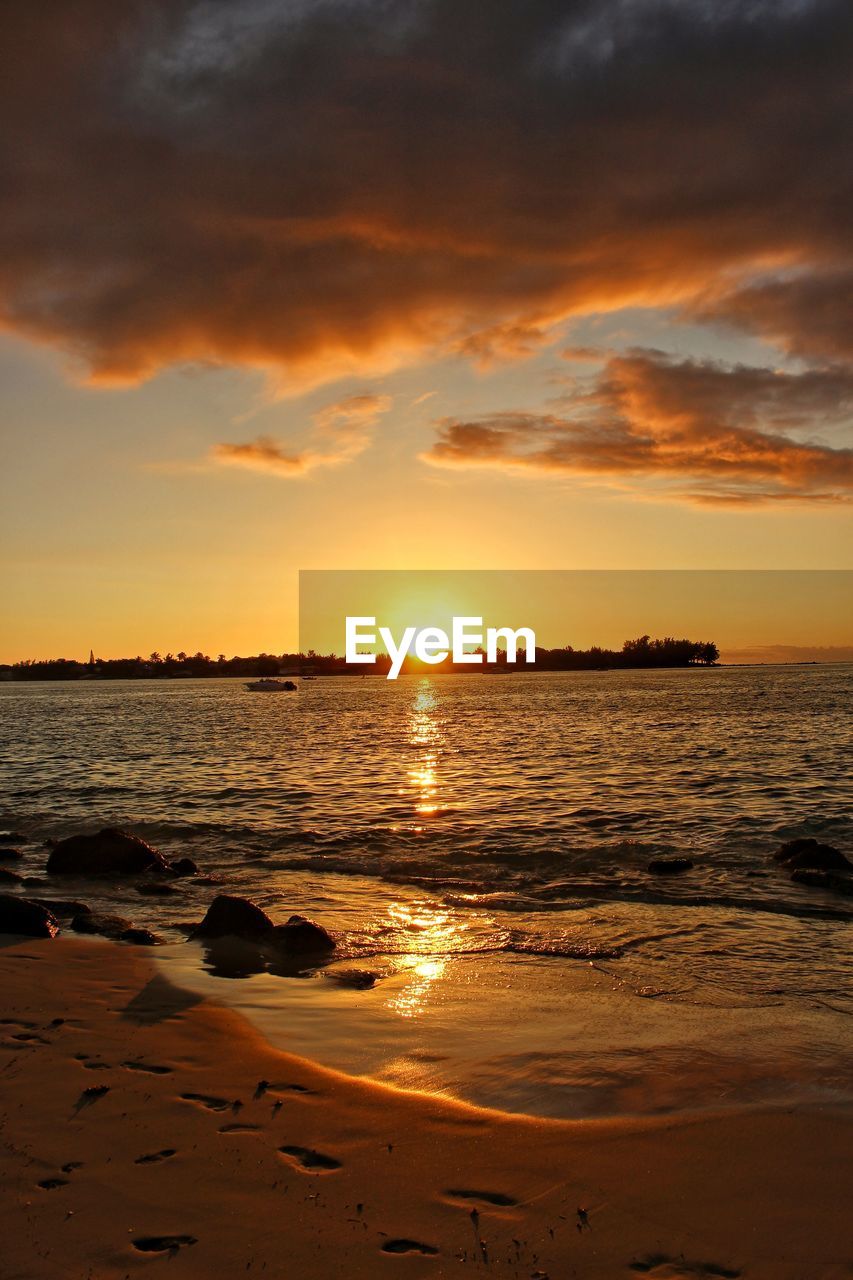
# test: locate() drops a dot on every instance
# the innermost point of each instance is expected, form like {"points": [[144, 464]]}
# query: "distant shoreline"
{"points": [[519, 670]]}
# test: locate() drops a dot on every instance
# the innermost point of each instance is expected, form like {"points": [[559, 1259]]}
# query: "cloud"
{"points": [[806, 314], [512, 341], [341, 431], [703, 430], [330, 186]]}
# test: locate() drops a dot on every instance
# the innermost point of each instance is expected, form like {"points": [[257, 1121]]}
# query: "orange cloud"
{"points": [[316, 188], [341, 431], [709, 432], [511, 341]]}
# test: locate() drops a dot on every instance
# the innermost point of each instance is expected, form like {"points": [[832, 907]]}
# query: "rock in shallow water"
{"points": [[114, 927], [157, 889], [229, 916], [140, 937], [10, 877], [183, 867], [834, 881], [63, 906], [107, 853], [106, 926], [233, 917], [669, 866], [809, 853], [10, 855], [356, 979], [20, 915], [301, 937]]}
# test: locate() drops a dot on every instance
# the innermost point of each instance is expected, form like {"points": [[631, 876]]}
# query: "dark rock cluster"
{"points": [[232, 917]]}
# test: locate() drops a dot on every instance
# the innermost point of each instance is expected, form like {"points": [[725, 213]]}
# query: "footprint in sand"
{"points": [[206, 1101], [312, 1161], [151, 1067], [163, 1244], [660, 1267], [50, 1184], [409, 1246], [496, 1198], [156, 1156], [91, 1095], [240, 1128]]}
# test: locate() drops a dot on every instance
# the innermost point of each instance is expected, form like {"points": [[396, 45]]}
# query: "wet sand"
{"points": [[142, 1126]]}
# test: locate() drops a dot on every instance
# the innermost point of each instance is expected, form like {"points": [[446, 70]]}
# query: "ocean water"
{"points": [[479, 846]]}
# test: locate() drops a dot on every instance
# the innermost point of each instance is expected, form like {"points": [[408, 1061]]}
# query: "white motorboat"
{"points": [[268, 685]]}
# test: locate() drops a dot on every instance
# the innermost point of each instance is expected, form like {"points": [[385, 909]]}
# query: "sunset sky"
{"points": [[518, 284]]}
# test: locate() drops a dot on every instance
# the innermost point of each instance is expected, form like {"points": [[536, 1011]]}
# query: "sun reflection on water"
{"points": [[411, 1001], [436, 935], [425, 737]]}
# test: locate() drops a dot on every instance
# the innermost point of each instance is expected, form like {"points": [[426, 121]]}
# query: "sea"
{"points": [[479, 847]]}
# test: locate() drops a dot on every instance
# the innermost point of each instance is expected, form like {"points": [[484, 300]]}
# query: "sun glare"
{"points": [[425, 738]]}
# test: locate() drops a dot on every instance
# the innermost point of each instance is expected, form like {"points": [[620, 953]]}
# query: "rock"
{"points": [[157, 889], [63, 906], [20, 915], [228, 916], [669, 866], [809, 853], [114, 927], [12, 837], [183, 867], [109, 852], [834, 881], [10, 877], [10, 855], [140, 937], [302, 937], [106, 926], [357, 979]]}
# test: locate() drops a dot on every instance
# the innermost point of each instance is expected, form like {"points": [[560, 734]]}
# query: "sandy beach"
{"points": [[142, 1126]]}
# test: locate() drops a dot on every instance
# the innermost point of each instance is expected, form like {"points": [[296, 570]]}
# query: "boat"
{"points": [[268, 685]]}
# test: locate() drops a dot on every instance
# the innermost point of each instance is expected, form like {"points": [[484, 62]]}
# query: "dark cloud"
{"points": [[705, 431], [313, 185], [808, 315]]}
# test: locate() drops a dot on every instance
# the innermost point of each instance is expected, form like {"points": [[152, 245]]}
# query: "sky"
{"points": [[734, 608], [353, 284]]}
